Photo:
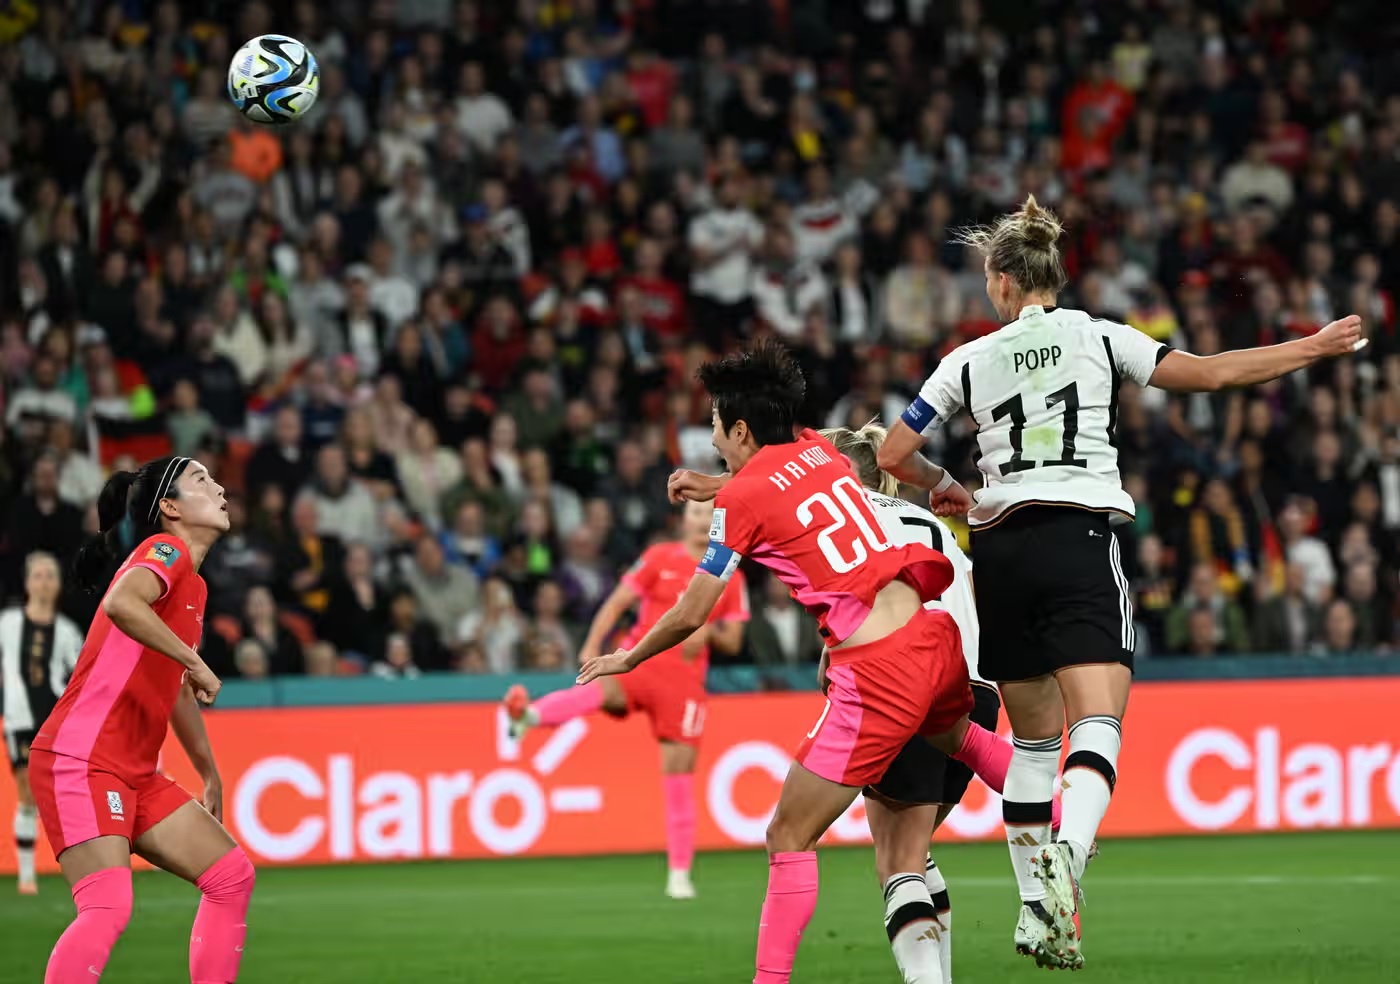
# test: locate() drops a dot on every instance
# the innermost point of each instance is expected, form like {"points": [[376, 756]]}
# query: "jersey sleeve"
{"points": [[940, 397], [733, 533], [166, 557], [734, 603], [641, 576], [1134, 354]]}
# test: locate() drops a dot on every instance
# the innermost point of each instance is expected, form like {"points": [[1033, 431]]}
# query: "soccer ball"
{"points": [[274, 79]]}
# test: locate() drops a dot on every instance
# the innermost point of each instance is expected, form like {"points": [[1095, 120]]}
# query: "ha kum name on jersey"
{"points": [[811, 457]]}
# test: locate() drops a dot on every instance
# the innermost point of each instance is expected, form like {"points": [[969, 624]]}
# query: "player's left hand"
{"points": [[601, 666], [952, 501], [213, 800]]}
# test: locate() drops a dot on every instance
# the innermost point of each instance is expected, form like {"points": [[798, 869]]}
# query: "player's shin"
{"points": [[1026, 807], [26, 832], [943, 909], [103, 900], [565, 705], [911, 922], [787, 909], [680, 833], [1089, 777], [988, 755], [221, 924]]}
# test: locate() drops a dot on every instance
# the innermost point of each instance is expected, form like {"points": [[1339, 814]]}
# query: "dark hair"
{"points": [[128, 511], [762, 386]]}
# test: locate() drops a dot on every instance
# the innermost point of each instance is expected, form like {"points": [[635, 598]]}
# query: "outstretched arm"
{"points": [[902, 457], [1183, 372], [688, 614]]}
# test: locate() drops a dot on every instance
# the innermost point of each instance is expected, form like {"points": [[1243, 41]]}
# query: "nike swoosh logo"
{"points": [[191, 607]]}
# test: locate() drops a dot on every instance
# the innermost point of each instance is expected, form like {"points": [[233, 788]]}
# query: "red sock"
{"points": [[565, 705], [103, 899], [221, 924], [787, 909], [989, 756], [680, 821]]}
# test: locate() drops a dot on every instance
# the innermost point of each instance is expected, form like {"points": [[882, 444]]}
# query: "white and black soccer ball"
{"points": [[274, 79]]}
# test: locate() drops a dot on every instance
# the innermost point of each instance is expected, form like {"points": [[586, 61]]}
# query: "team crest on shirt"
{"points": [[114, 805], [717, 526], [163, 553]]}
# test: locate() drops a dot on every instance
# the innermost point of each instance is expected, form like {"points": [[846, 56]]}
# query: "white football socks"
{"points": [[1025, 807]]}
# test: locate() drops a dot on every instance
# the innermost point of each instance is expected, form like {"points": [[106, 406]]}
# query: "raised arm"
{"points": [[1183, 372], [128, 605]]}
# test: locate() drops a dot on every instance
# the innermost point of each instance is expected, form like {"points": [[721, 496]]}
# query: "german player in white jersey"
{"points": [[38, 649], [923, 785], [1055, 613]]}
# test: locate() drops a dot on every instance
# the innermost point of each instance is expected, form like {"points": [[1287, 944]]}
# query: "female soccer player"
{"points": [[670, 690], [93, 763], [38, 650], [1056, 617]]}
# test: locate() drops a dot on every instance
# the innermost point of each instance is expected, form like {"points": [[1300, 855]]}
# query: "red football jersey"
{"points": [[117, 707], [659, 578], [799, 510]]}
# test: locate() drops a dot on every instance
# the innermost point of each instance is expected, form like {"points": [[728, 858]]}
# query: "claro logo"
{"points": [[1307, 785], [397, 815], [749, 826]]}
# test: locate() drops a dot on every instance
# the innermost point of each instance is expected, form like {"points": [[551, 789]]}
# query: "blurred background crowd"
{"points": [[439, 339]]}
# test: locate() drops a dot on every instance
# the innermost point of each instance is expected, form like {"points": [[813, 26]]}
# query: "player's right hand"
{"points": [[601, 666], [204, 683], [952, 501], [687, 485], [1341, 337]]}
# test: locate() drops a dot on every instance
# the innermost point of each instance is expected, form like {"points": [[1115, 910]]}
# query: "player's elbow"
{"points": [[890, 456], [116, 605]]}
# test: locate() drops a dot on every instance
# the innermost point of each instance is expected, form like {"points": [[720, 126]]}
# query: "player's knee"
{"points": [[786, 834], [104, 900], [232, 877], [1093, 745]]}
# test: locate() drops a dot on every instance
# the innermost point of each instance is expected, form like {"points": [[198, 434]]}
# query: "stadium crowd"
{"points": [[439, 338]]}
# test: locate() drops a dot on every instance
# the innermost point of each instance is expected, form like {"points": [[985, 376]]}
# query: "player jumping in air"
{"points": [[896, 670], [93, 763], [38, 650], [923, 784], [670, 690], [1056, 615]]}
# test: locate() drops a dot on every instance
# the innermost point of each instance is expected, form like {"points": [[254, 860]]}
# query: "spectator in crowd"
{"points": [[497, 627], [1204, 594], [445, 593], [282, 459], [1289, 622], [345, 509], [261, 625], [781, 634]]}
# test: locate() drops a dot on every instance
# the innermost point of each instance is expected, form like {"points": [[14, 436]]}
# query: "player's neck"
{"points": [[198, 540], [38, 613]]}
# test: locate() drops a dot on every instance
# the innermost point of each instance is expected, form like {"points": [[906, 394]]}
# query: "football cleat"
{"points": [[1034, 936], [517, 705], [679, 885], [28, 888], [1052, 867]]}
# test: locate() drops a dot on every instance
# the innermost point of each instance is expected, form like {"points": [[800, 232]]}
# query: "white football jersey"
{"points": [[906, 523], [33, 680], [1043, 391]]}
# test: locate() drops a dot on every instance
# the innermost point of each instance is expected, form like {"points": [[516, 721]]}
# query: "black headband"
{"points": [[172, 472]]}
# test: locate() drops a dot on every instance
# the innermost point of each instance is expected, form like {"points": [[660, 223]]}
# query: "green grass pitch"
{"points": [[1282, 909]]}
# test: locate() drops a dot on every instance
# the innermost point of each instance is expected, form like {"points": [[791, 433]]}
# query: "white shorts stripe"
{"points": [[1125, 600]]}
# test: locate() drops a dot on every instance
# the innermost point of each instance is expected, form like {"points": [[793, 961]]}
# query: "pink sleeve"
{"points": [[164, 557]]}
